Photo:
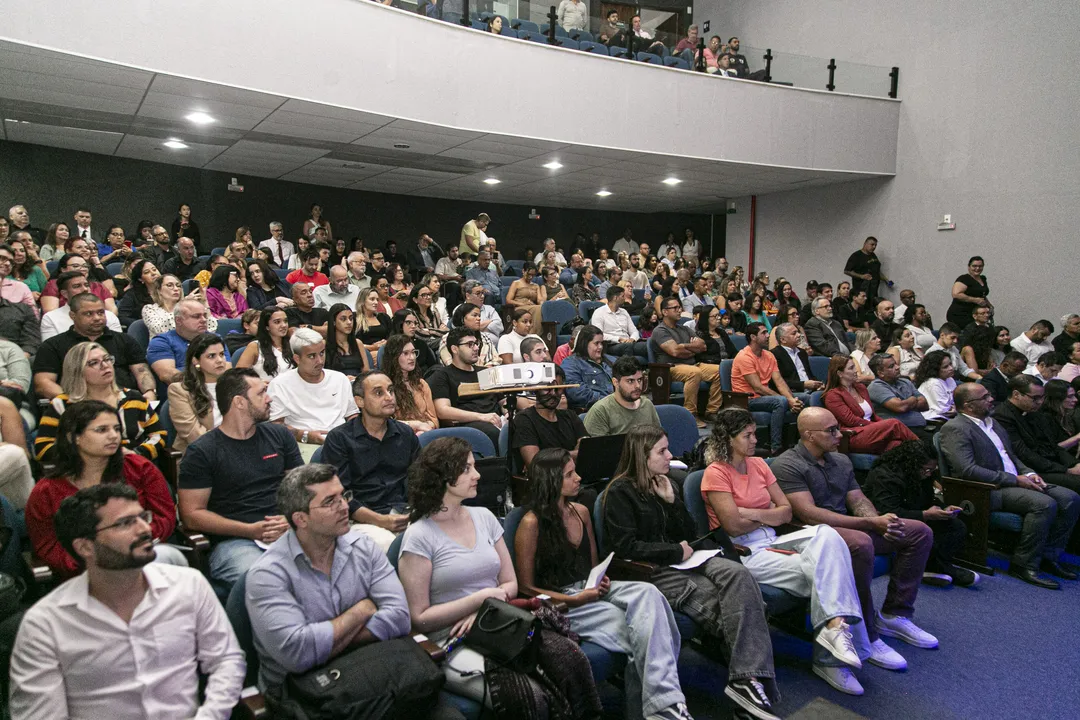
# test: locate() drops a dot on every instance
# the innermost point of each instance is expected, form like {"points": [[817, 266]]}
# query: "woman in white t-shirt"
{"points": [[934, 378], [453, 558], [866, 343], [193, 408], [268, 353], [919, 327], [691, 249], [510, 343]]}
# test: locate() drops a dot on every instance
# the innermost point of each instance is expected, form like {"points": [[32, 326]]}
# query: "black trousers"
{"points": [[949, 537]]}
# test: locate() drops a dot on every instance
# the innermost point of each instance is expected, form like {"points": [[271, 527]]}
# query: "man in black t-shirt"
{"points": [[855, 315], [303, 312], [864, 268], [546, 426], [483, 412], [229, 477]]}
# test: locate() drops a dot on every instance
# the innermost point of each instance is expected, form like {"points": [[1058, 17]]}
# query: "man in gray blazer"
{"points": [[826, 336], [975, 448]]}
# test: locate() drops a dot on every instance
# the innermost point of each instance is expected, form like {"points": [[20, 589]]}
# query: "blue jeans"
{"points": [[230, 559], [777, 408]]}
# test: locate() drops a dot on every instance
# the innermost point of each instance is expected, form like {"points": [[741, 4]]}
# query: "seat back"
{"points": [[51, 267], [649, 58], [452, 17], [725, 375], [817, 399], [479, 25], [581, 36], [943, 467], [141, 334], [598, 525], [695, 504], [681, 428], [568, 43], [189, 285], [481, 444], [586, 309], [819, 367], [592, 47], [114, 268], [393, 553], [559, 32], [616, 51], [316, 457], [228, 325], [519, 24], [676, 62], [510, 526], [738, 340], [218, 251], [166, 423], [282, 273], [517, 265], [558, 311]]}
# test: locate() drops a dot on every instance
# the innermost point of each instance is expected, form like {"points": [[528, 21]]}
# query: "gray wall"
{"points": [[51, 182], [989, 123]]}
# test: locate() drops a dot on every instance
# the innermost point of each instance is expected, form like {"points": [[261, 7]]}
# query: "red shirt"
{"points": [[315, 280], [746, 363], [53, 290], [48, 493]]}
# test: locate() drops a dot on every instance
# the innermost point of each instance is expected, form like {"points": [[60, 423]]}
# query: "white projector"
{"points": [[517, 375]]}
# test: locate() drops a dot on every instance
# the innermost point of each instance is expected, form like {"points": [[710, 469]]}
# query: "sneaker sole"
{"points": [[882, 664], [909, 640], [748, 706], [937, 579], [857, 665], [839, 688], [973, 583]]}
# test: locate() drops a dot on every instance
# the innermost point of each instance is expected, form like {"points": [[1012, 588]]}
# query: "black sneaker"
{"points": [[962, 577], [749, 694]]}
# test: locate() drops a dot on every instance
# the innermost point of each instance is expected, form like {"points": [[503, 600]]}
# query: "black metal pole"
{"points": [[630, 42], [895, 81], [768, 64], [699, 64], [832, 74], [465, 15], [553, 20]]}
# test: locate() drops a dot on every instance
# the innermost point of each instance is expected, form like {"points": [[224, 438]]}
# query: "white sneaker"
{"points": [[937, 579], [841, 678], [884, 656], [902, 628], [838, 642]]}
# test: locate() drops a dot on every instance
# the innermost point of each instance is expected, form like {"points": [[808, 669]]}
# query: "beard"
{"points": [[138, 555]]}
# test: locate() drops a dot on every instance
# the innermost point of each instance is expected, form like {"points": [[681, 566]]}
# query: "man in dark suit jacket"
{"points": [[1030, 433], [786, 353], [418, 265], [826, 336], [1049, 512], [997, 380]]}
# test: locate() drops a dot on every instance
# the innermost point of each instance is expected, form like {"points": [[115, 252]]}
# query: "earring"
{"points": [[198, 367]]}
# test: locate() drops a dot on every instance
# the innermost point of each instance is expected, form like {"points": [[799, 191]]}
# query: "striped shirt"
{"points": [[140, 427]]}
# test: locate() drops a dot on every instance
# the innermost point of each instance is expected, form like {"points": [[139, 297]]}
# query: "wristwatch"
{"points": [[304, 437]]}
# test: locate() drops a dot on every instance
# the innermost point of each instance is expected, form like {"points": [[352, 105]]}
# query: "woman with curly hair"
{"points": [[934, 379], [980, 342], [901, 482], [555, 550], [453, 558], [645, 519], [415, 406], [193, 405]]}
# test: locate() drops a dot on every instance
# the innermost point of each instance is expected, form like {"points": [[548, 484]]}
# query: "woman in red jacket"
{"points": [[89, 452], [849, 400]]}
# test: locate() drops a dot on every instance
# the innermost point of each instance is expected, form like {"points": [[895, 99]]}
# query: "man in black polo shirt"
{"points": [[185, 265], [88, 316], [482, 412], [855, 315], [372, 453], [545, 426], [864, 268], [303, 312]]}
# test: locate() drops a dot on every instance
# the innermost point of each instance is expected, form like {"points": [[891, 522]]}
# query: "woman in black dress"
{"points": [[372, 326], [342, 351], [968, 292]]}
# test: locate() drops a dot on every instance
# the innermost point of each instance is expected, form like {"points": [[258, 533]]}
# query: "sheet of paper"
{"points": [[698, 558], [598, 572], [261, 544], [793, 538], [678, 465]]}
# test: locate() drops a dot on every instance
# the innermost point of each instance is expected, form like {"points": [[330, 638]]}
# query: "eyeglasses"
{"points": [[1035, 398], [125, 523], [100, 362], [424, 296], [470, 344], [331, 502], [832, 430], [411, 353]]}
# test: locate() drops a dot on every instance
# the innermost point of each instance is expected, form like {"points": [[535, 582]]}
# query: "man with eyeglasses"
{"points": [[678, 347], [976, 448], [482, 412], [490, 322], [162, 250], [1031, 432], [372, 453], [819, 482], [280, 248], [826, 336], [129, 637], [323, 588], [337, 290], [11, 289]]}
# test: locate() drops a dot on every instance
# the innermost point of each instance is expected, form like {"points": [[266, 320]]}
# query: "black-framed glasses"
{"points": [[125, 523], [832, 430], [100, 362], [469, 344], [332, 502]]}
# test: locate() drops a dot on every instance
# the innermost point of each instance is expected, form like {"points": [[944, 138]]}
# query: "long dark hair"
{"points": [[219, 279], [333, 351], [193, 380], [701, 321], [438, 466], [428, 321], [269, 276], [21, 272], [395, 345], [581, 345], [142, 292], [554, 553], [266, 343], [930, 366], [1054, 394], [982, 340], [67, 462]]}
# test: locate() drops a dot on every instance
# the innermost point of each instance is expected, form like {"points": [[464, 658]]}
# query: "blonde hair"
{"points": [[73, 380], [863, 337], [361, 302]]}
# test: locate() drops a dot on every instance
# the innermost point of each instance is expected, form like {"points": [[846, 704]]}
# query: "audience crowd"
{"points": [[275, 414]]}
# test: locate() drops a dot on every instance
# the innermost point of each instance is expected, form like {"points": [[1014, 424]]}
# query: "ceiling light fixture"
{"points": [[176, 144], [604, 193], [401, 146], [672, 181], [492, 181], [553, 165], [200, 118]]}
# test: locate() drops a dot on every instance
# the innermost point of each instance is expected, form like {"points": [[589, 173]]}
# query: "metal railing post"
{"points": [[553, 20], [894, 77], [699, 63], [832, 74], [768, 65], [465, 15]]}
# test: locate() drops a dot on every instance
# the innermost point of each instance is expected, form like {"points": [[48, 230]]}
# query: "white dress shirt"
{"points": [[282, 253], [793, 353], [987, 426], [74, 658], [1023, 344], [616, 326]]}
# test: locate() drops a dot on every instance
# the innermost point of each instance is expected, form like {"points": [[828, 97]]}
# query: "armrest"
{"points": [[519, 485], [631, 570], [251, 708], [742, 550], [41, 572], [660, 383], [198, 545], [436, 653], [736, 399], [972, 484], [169, 462], [549, 333]]}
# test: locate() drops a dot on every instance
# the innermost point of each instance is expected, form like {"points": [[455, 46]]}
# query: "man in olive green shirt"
{"points": [[472, 233], [625, 408]]}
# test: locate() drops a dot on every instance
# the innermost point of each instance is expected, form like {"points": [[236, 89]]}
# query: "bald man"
{"points": [[303, 313], [820, 484], [338, 290]]}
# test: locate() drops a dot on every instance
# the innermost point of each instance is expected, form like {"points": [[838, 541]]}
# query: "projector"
{"points": [[517, 375]]}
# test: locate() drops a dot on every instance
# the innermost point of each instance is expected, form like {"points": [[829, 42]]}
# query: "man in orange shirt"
{"points": [[755, 372]]}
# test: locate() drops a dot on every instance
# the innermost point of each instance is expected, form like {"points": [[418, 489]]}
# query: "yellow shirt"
{"points": [[469, 230]]}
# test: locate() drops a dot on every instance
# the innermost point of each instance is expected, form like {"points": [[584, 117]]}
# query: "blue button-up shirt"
{"points": [[375, 470], [291, 604], [170, 345], [488, 278]]}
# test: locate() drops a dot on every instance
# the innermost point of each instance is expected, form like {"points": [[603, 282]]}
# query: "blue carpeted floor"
{"points": [[1008, 650]]}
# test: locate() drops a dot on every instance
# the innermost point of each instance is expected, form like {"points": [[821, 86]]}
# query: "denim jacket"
{"points": [[594, 380]]}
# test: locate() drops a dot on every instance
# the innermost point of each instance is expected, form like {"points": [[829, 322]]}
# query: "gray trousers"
{"points": [[634, 619], [1048, 521], [723, 597]]}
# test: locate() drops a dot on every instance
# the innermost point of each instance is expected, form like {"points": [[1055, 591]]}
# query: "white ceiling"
{"points": [[60, 100]]}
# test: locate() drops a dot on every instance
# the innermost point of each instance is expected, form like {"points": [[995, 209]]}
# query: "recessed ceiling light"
{"points": [[492, 181], [401, 146], [672, 181], [200, 118], [175, 144], [603, 193], [553, 165]]}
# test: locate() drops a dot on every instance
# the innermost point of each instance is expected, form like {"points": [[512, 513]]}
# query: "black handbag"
{"points": [[389, 680], [505, 635], [491, 492]]}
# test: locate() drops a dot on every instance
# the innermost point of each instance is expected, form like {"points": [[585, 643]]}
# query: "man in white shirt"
{"points": [[129, 637], [948, 334], [620, 335], [308, 399], [573, 15], [625, 244], [1047, 367], [549, 246], [1035, 341], [338, 290], [358, 277], [59, 320], [279, 247], [82, 226], [639, 279]]}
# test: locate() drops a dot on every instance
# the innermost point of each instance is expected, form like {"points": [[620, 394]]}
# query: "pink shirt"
{"points": [[16, 291], [749, 491]]}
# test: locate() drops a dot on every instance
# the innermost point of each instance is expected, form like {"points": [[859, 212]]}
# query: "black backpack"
{"points": [[494, 486]]}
